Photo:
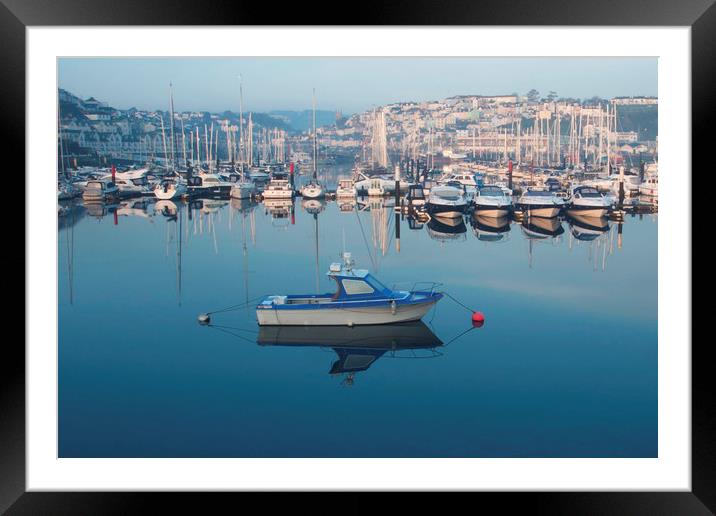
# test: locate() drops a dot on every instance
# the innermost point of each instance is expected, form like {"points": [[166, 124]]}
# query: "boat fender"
{"points": [[392, 307], [204, 319]]}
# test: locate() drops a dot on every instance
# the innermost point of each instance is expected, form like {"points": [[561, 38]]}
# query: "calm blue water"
{"points": [[565, 365]]}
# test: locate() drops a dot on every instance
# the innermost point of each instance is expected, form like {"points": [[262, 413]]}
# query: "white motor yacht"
{"points": [[345, 189], [491, 201], [278, 189], [650, 186], [541, 203], [447, 201], [588, 201]]}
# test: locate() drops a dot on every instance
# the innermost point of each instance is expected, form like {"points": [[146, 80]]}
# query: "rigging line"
{"points": [[370, 255]]}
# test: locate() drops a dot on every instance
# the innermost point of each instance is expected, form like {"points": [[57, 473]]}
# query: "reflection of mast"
{"points": [[179, 246], [315, 218], [70, 238]]}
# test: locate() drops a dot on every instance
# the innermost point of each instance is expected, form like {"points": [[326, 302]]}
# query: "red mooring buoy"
{"points": [[478, 319]]}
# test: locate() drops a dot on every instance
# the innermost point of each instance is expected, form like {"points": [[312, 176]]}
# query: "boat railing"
{"points": [[422, 286]]}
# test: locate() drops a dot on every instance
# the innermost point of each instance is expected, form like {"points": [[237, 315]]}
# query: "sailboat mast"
{"points": [[171, 117], [315, 141]]}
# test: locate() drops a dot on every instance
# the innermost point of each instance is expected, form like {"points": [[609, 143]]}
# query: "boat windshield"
{"points": [[492, 191], [589, 192], [538, 193]]}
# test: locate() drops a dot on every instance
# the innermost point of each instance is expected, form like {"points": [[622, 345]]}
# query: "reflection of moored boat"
{"points": [[541, 228], [166, 208], [313, 206], [587, 228], [447, 228], [358, 347], [490, 229], [360, 299], [492, 201]]}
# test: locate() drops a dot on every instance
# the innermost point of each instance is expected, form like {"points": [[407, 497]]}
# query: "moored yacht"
{"points": [[345, 189], [100, 190], [170, 188], [588, 201], [209, 184], [491, 201], [278, 189], [447, 201], [541, 203], [650, 186]]}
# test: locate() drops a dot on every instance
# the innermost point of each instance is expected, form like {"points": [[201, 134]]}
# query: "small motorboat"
{"points": [[209, 184], [278, 189], [491, 201], [242, 189], [168, 189], [415, 195], [345, 189], [100, 190], [359, 300], [650, 186]]}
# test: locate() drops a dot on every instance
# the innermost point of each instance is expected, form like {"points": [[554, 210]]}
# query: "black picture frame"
{"points": [[16, 15]]}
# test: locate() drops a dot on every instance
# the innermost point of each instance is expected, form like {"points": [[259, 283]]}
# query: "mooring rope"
{"points": [[458, 302], [235, 307]]}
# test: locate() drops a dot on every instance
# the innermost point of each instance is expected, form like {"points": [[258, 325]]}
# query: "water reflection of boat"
{"points": [[212, 205], [587, 228], [358, 347], [99, 209], [244, 204], [313, 206], [443, 229], [142, 207], [541, 228], [166, 208], [489, 228]]}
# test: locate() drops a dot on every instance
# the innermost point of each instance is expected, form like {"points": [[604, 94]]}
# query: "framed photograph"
{"points": [[396, 257]]}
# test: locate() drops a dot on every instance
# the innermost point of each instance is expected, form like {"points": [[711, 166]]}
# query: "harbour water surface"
{"points": [[565, 365]]}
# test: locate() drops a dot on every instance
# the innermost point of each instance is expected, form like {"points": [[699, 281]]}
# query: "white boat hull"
{"points": [[588, 212], [342, 316], [492, 211], [548, 213], [242, 191]]}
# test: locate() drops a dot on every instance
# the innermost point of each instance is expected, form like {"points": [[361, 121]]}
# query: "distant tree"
{"points": [[552, 95], [533, 95]]}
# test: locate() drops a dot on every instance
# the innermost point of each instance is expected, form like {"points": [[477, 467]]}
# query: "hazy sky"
{"points": [[348, 84]]}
